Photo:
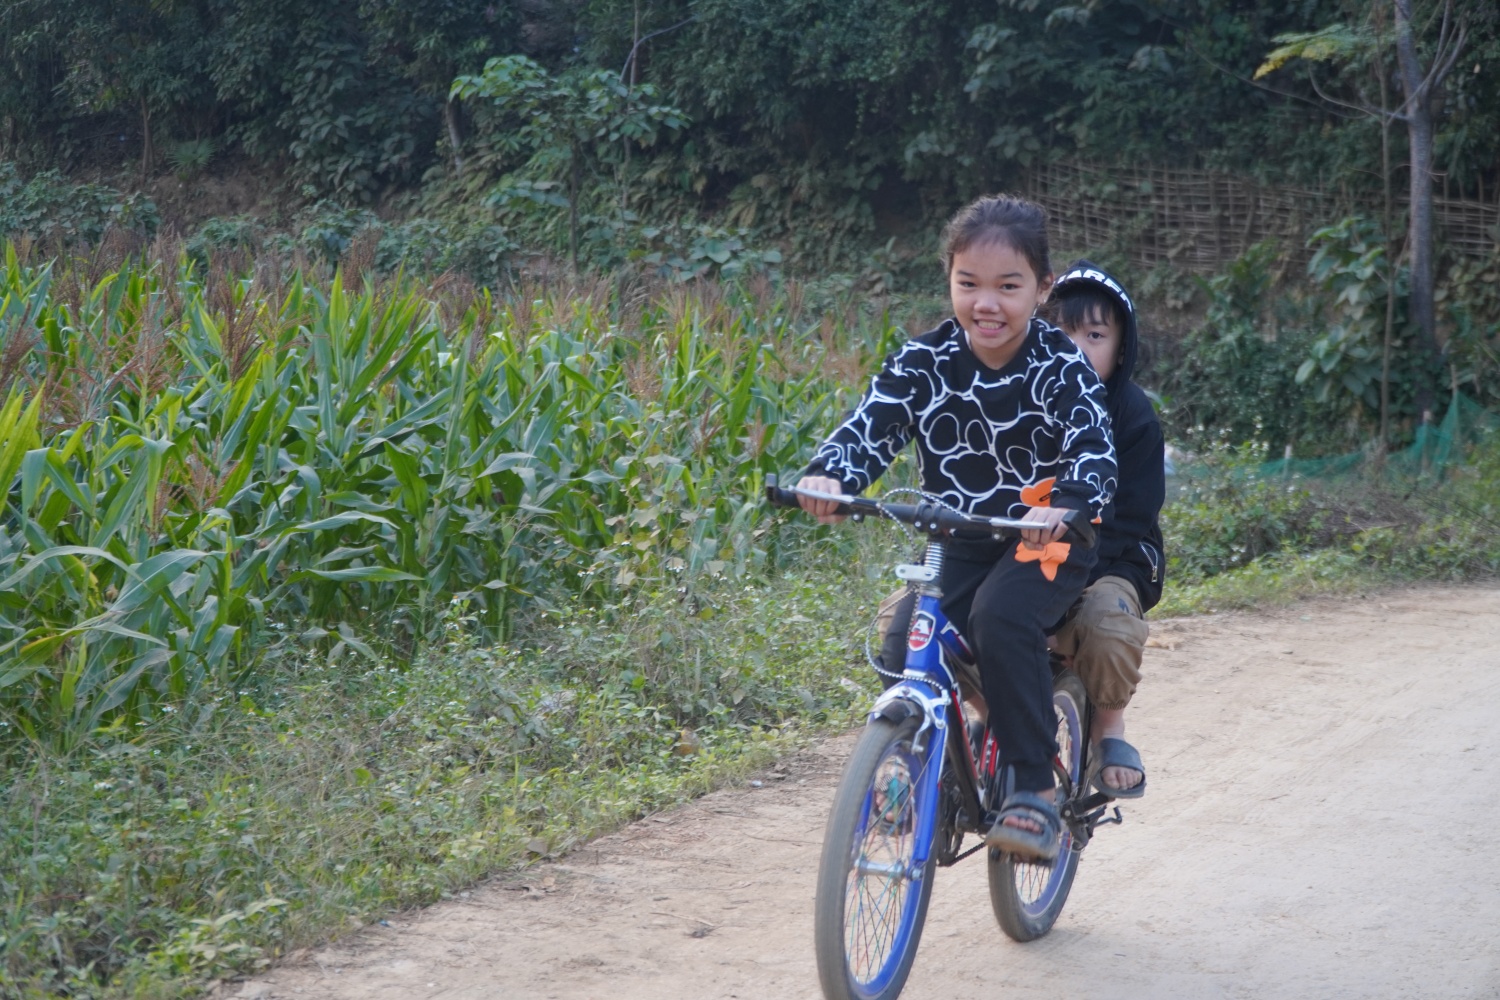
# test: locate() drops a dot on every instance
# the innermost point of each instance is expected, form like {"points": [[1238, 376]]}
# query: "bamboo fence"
{"points": [[1200, 220]]}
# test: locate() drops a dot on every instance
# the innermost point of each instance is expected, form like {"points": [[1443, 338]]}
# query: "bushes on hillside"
{"points": [[58, 214]]}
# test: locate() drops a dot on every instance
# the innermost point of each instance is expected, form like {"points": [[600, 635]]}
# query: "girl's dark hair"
{"points": [[1078, 306], [1002, 218]]}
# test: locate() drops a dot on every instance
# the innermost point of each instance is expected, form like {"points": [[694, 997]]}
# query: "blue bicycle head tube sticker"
{"points": [[922, 628]]}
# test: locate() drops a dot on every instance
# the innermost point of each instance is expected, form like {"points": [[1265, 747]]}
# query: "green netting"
{"points": [[1437, 449]]}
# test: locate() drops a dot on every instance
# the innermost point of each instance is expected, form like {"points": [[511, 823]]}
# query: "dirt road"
{"points": [[1323, 821]]}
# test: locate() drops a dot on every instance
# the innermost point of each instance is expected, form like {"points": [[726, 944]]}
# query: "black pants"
{"points": [[1003, 606]]}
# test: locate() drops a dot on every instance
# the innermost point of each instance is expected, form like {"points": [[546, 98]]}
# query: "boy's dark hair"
{"points": [[1080, 304], [1014, 222]]}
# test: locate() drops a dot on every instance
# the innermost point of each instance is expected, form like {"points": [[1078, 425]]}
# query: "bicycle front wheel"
{"points": [[1027, 897], [872, 896]]}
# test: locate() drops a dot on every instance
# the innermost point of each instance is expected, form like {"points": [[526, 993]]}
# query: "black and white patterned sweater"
{"points": [[983, 435]]}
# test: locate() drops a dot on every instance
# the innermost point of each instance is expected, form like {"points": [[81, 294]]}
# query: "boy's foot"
{"points": [[1118, 771], [891, 801], [1118, 776]]}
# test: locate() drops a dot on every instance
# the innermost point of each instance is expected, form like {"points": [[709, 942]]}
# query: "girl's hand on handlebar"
{"points": [[1035, 538], [823, 509]]}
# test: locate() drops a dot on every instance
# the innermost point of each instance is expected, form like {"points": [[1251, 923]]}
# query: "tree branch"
{"points": [[1258, 85], [646, 38], [1439, 74], [1363, 109]]}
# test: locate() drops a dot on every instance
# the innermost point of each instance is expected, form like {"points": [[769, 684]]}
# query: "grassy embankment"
{"points": [[319, 602]]}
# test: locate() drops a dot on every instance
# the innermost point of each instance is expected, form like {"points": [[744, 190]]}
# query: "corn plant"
{"points": [[194, 464]]}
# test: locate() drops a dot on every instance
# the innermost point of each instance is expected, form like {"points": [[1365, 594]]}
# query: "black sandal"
{"points": [[1031, 845], [1115, 752]]}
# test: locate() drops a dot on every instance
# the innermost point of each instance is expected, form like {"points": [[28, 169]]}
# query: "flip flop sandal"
{"points": [[891, 803], [1031, 845], [1115, 752]]}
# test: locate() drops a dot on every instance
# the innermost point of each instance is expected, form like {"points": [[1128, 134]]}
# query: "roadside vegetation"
{"points": [[326, 595], [405, 526]]}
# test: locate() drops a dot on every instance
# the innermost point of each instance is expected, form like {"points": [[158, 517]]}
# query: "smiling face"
{"points": [[995, 292], [1099, 337]]}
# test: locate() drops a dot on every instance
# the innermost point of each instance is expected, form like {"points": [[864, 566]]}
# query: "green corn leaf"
{"points": [[336, 521], [45, 558], [408, 474], [371, 574]]}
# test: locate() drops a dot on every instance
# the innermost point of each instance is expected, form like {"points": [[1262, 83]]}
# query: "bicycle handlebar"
{"points": [[935, 520]]}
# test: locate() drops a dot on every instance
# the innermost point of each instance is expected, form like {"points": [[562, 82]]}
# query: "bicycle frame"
{"points": [[912, 788], [929, 686]]}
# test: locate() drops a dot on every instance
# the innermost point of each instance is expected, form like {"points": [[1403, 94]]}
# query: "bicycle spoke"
{"points": [[880, 875]]}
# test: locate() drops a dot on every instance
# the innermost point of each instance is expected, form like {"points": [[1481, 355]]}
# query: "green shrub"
{"points": [[683, 253], [191, 157], [240, 234], [205, 841], [58, 213], [1235, 376], [1223, 515], [1235, 537]]}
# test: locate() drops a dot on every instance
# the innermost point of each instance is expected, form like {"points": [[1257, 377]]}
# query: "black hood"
{"points": [[1084, 272]]}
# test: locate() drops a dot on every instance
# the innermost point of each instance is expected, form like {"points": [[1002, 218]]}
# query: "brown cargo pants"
{"points": [[1105, 635]]}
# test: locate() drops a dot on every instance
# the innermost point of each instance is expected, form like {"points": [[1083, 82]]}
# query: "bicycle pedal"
{"points": [[1116, 819]]}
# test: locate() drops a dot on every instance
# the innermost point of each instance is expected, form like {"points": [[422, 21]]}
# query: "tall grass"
{"points": [[193, 463]]}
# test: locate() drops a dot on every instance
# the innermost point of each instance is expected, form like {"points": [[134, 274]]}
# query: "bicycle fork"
{"points": [[924, 692]]}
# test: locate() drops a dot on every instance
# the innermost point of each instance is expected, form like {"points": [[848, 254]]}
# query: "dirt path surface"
{"points": [[1322, 822]]}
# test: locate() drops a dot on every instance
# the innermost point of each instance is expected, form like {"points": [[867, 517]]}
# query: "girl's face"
{"points": [[995, 292]]}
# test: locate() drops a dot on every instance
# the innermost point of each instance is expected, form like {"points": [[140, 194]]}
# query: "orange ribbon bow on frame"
{"points": [[1053, 554]]}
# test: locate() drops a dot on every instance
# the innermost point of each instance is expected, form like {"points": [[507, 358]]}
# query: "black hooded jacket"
{"points": [[1130, 542]]}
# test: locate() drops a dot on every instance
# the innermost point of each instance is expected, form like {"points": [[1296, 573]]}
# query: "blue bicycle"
{"points": [[918, 782]]}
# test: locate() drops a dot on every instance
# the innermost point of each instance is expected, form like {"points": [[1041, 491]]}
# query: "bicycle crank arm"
{"points": [[1092, 803]]}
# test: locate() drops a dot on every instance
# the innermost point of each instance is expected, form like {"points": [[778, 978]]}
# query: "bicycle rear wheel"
{"points": [[872, 899], [1026, 897]]}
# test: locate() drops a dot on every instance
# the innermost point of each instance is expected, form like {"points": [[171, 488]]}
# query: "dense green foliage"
{"points": [[49, 208], [195, 463], [1299, 364], [833, 107], [735, 136], [1239, 537]]}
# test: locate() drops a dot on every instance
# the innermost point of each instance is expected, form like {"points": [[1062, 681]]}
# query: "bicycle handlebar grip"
{"points": [[777, 497], [1079, 529]]}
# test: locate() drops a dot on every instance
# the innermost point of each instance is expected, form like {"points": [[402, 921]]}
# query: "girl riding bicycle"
{"points": [[1009, 421]]}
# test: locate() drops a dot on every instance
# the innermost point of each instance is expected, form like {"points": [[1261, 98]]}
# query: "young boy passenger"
{"points": [[1104, 633]]}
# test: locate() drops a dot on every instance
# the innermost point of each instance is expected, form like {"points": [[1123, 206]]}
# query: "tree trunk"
{"points": [[1389, 224], [455, 137], [573, 185], [635, 41], [1390, 293], [1419, 125], [148, 154]]}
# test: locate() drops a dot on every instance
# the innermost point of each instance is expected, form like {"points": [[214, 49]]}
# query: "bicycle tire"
{"points": [[852, 964], [1028, 898]]}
